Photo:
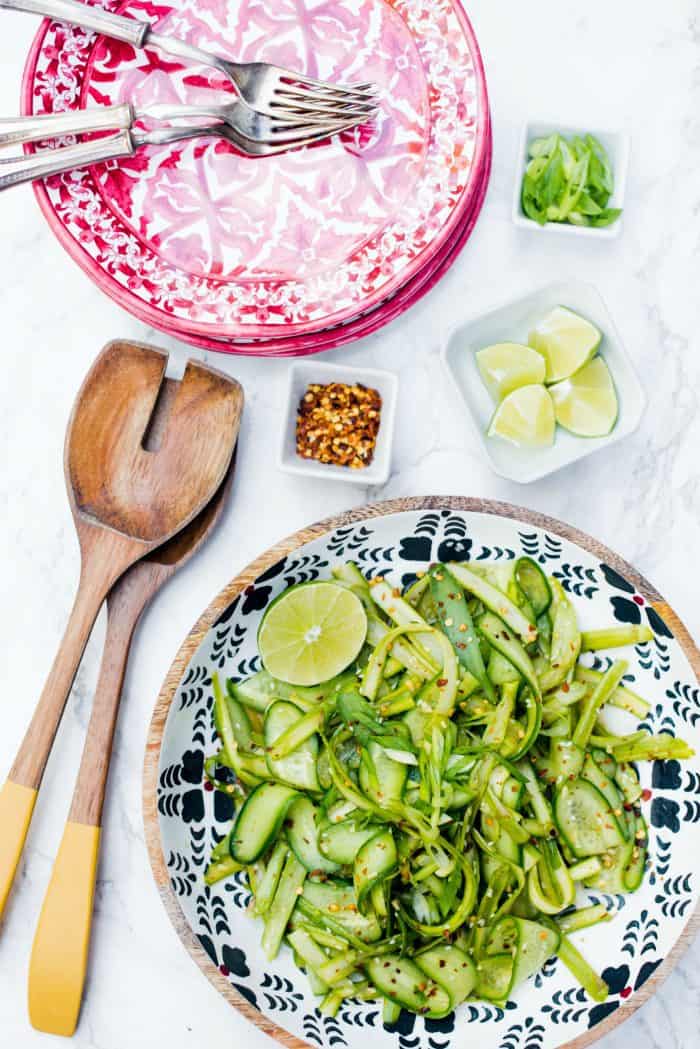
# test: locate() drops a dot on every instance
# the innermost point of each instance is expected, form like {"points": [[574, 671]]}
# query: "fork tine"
{"points": [[319, 97], [300, 102], [300, 132], [297, 144], [323, 85]]}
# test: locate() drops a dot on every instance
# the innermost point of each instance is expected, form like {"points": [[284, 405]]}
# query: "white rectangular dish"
{"points": [[512, 322], [617, 146], [301, 374]]}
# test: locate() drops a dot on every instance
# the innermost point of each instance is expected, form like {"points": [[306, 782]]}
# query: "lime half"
{"points": [[312, 632], [507, 365], [566, 341], [525, 417], [586, 404]]}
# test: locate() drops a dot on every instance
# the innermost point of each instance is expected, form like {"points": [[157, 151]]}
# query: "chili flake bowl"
{"points": [[649, 929], [301, 375]]}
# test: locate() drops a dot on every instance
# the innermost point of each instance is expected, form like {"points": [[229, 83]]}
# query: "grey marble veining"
{"points": [[629, 66]]}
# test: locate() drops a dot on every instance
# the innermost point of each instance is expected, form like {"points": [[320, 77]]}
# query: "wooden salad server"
{"points": [[61, 943], [128, 495]]}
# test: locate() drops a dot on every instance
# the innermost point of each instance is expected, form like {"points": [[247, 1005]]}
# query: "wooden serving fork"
{"points": [[127, 498], [60, 953]]}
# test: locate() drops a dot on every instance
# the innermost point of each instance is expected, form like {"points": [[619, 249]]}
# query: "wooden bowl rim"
{"points": [[247, 576]]}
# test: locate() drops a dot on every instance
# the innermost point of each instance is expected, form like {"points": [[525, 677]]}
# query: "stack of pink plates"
{"points": [[285, 255]]}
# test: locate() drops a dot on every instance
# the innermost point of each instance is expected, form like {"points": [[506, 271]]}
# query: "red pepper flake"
{"points": [[208, 785], [565, 687], [338, 424], [441, 682], [646, 794]]}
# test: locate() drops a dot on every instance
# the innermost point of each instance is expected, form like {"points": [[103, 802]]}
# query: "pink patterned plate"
{"points": [[199, 239], [362, 325]]}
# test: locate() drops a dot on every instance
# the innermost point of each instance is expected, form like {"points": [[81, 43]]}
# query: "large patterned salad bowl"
{"points": [[648, 929]]}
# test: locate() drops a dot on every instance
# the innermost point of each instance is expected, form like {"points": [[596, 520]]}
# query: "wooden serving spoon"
{"points": [[128, 495], [61, 943]]}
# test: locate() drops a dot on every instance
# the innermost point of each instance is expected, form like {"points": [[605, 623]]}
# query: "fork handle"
{"points": [[61, 943], [18, 130], [130, 30], [55, 161]]}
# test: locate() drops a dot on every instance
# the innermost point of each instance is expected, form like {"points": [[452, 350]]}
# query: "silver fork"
{"points": [[246, 122], [270, 89], [16, 170]]}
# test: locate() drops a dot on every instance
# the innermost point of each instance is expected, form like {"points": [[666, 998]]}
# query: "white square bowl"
{"points": [[511, 323], [617, 146], [301, 374]]}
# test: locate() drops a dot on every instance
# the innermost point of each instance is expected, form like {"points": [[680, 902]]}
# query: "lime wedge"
{"points": [[507, 365], [565, 340], [525, 417], [586, 404], [312, 632]]}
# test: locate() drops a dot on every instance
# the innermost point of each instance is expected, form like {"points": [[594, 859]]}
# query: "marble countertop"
{"points": [[633, 67]]}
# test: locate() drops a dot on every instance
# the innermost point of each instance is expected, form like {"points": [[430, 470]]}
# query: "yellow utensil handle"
{"points": [[59, 955], [16, 808]]}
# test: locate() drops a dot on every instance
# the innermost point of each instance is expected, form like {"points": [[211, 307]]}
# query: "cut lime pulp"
{"points": [[566, 341], [525, 418], [586, 404], [505, 366], [312, 632]]}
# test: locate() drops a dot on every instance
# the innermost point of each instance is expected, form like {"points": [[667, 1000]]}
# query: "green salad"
{"points": [[424, 780]]}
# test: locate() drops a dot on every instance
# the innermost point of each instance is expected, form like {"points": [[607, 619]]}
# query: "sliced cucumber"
{"points": [[301, 826], [496, 601], [501, 670], [451, 968], [594, 774], [534, 944], [628, 781], [534, 584], [402, 981], [381, 778], [537, 943], [611, 876], [340, 842], [634, 871], [337, 900], [260, 820], [585, 820], [494, 977], [565, 760], [503, 640], [376, 861], [262, 689], [566, 639], [299, 767]]}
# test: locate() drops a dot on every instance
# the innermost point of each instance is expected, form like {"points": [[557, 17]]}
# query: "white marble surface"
{"points": [[630, 65]]}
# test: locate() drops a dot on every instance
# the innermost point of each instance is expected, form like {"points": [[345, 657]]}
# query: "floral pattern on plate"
{"points": [[221, 244], [550, 1009]]}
